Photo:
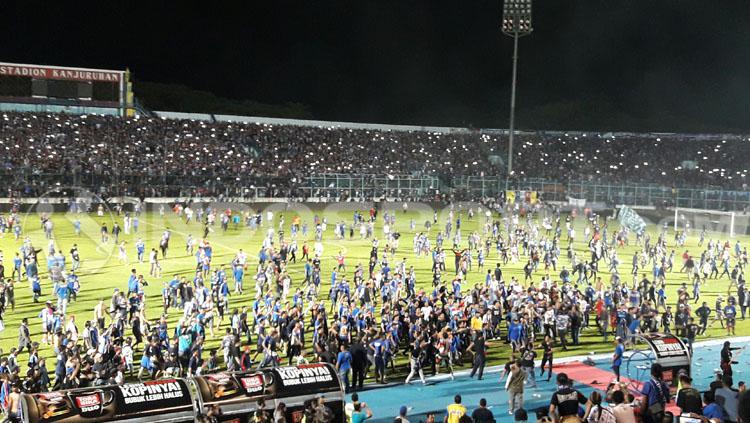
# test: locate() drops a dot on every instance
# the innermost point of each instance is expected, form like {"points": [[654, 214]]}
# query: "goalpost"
{"points": [[709, 220]]}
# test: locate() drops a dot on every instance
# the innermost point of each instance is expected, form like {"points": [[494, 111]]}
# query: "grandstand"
{"points": [[245, 157], [59, 128]]}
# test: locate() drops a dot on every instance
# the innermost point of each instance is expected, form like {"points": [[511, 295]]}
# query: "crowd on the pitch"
{"points": [[363, 317], [134, 155]]}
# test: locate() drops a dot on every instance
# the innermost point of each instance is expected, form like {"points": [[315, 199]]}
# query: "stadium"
{"points": [[170, 254]]}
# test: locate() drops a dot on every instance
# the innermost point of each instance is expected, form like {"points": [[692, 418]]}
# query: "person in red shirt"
{"points": [[340, 260]]}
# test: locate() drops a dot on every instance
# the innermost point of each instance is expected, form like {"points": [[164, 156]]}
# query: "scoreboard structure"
{"points": [[41, 88]]}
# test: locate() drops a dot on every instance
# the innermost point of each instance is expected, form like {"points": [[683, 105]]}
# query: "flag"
{"points": [[631, 220], [510, 197]]}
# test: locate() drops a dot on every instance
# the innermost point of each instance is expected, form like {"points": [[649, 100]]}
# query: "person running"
{"points": [[479, 349], [527, 364], [416, 358], [514, 386]]}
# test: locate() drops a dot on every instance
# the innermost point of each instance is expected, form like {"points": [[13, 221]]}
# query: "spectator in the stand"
{"points": [[727, 397], [743, 411], [713, 411], [688, 398], [110, 152], [361, 412], [455, 411], [655, 396], [565, 400], [482, 414], [623, 411], [401, 418]]}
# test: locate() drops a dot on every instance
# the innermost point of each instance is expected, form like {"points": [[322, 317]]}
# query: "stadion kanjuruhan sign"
{"points": [[61, 73]]}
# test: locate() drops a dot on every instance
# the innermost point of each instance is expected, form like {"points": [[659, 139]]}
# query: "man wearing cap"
{"points": [[726, 358], [401, 418], [617, 357]]}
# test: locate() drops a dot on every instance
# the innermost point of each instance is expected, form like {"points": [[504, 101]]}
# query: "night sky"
{"points": [[679, 65]]}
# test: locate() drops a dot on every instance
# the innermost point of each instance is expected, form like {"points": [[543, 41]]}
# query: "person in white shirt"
{"points": [[127, 355], [72, 328], [623, 411]]}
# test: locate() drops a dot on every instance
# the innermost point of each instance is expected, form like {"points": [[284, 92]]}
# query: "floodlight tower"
{"points": [[516, 23]]}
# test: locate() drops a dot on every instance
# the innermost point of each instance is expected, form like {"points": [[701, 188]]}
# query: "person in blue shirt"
{"points": [[73, 285], [36, 289], [344, 365], [617, 357], [316, 278], [634, 327], [238, 273], [132, 282], [378, 348], [140, 249], [63, 294], [308, 271], [385, 292], [515, 334], [17, 267], [457, 288], [51, 262], [174, 290], [730, 314], [712, 410], [655, 395], [221, 275]]}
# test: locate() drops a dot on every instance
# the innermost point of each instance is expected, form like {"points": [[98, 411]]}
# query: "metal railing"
{"points": [[473, 187], [28, 183]]}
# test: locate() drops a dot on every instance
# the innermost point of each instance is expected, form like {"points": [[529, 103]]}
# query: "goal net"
{"points": [[712, 222]]}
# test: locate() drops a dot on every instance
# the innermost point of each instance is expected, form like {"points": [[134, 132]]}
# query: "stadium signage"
{"points": [[68, 74], [152, 392], [302, 375], [666, 346], [172, 400]]}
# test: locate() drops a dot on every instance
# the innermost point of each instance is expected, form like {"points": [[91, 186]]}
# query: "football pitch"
{"points": [[102, 269]]}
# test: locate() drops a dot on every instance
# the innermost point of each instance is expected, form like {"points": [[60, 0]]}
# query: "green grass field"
{"points": [[101, 270]]}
